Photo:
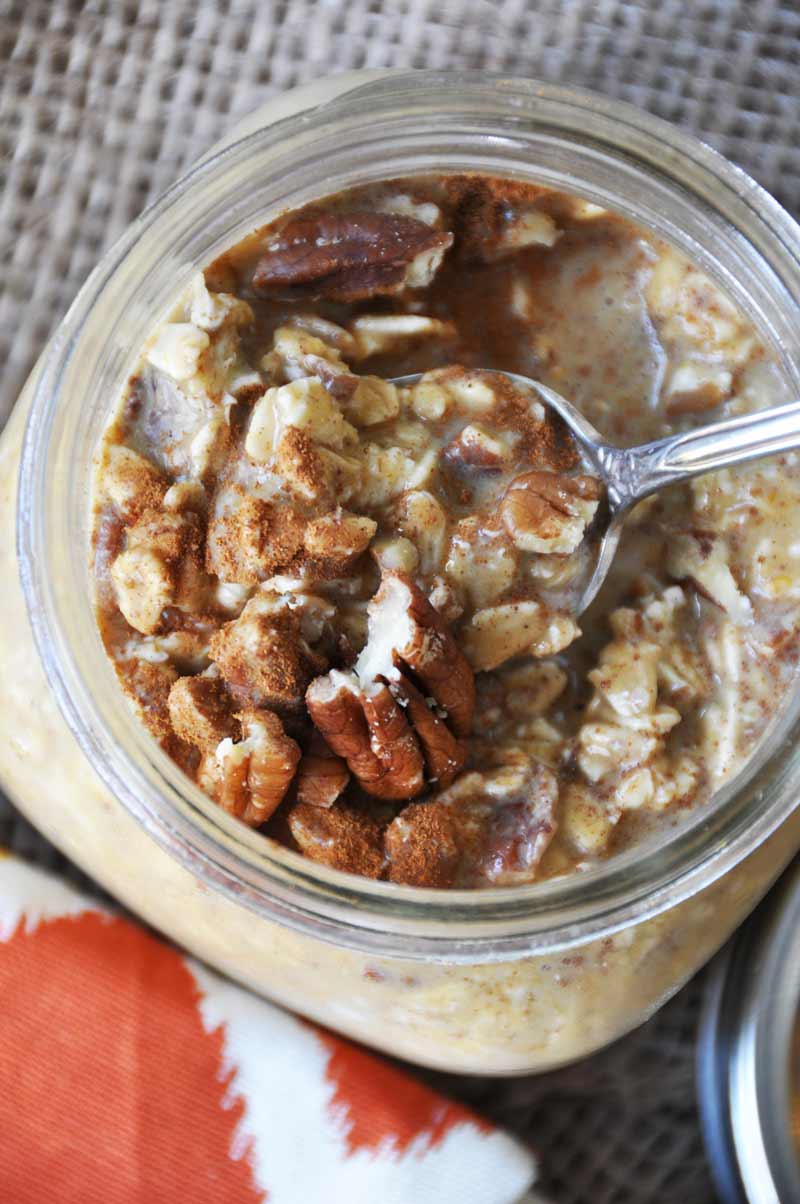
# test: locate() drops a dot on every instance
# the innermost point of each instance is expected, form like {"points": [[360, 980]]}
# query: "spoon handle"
{"points": [[639, 471]]}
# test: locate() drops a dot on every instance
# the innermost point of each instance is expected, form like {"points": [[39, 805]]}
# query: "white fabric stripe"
{"points": [[297, 1142], [30, 895]]}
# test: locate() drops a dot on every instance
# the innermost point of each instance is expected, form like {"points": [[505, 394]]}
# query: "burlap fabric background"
{"points": [[102, 104]]}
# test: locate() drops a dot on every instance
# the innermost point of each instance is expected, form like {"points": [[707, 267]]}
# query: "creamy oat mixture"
{"points": [[342, 604]]}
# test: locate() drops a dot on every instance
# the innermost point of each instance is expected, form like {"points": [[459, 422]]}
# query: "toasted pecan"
{"points": [[422, 846], [393, 741], [321, 775], [548, 511], [264, 658], [431, 652], [445, 755], [254, 774], [339, 836], [201, 711], [372, 735], [350, 256], [254, 540], [376, 718]]}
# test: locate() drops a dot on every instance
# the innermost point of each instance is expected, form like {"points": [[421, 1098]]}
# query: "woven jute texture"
{"points": [[103, 104]]}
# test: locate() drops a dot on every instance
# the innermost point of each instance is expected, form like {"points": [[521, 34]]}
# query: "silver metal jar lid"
{"points": [[749, 1055]]}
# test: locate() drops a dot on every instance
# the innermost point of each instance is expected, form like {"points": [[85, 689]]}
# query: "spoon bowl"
{"points": [[629, 474]]}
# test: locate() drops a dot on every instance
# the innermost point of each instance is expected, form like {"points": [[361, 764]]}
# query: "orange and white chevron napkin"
{"points": [[131, 1074]]}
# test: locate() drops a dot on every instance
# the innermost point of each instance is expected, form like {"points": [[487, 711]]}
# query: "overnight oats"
{"points": [[343, 604], [312, 694]]}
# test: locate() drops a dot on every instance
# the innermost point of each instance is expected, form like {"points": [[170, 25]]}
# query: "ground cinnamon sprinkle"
{"points": [[545, 444], [479, 208], [263, 661], [422, 846], [340, 837], [257, 539], [299, 461], [201, 711], [150, 685]]}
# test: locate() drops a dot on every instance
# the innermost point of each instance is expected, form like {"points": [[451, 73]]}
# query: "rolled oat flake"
{"points": [[749, 1055]]}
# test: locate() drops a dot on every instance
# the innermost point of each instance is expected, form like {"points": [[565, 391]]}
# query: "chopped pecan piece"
{"points": [[150, 685], [496, 633], [201, 711], [253, 540], [549, 512], [337, 539], [321, 775], [339, 836], [249, 778], [161, 566], [264, 657], [350, 256], [315, 472], [132, 483], [422, 846]]}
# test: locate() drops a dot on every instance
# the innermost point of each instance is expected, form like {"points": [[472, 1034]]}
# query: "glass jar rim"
{"points": [[382, 917]]}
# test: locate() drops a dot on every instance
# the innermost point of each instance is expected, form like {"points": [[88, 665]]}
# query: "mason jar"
{"points": [[748, 1055], [496, 981]]}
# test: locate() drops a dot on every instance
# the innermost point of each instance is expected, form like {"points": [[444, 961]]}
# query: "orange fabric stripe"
{"points": [[111, 1091]]}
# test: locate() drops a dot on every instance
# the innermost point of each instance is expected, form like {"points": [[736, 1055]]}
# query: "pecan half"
{"points": [[250, 777], [350, 256], [422, 642], [370, 733], [444, 754], [390, 734]]}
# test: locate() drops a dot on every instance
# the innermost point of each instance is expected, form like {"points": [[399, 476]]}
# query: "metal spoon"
{"points": [[632, 473]]}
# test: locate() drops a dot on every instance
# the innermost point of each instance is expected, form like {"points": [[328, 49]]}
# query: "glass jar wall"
{"points": [[502, 981]]}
